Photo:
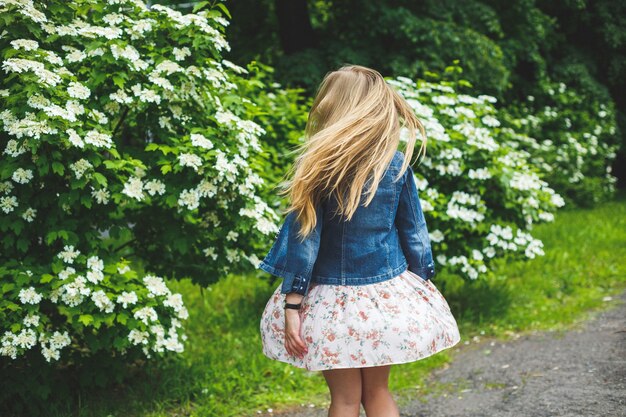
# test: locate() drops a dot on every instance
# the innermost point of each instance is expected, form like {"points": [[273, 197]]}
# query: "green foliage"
{"points": [[480, 192], [124, 143], [572, 137]]}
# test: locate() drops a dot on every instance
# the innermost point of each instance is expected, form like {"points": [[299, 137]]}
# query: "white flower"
{"points": [[99, 140], [525, 181], [22, 176], [113, 19], [74, 292], [181, 53], [66, 273], [94, 276], [68, 254], [546, 216], [19, 65], [101, 195], [145, 95], [6, 187], [189, 199], [175, 301], [80, 167], [154, 187], [121, 97], [29, 296], [75, 138], [126, 298], [201, 141], [190, 160], [59, 340], [99, 117], [557, 200], [490, 121], [25, 339], [25, 44], [138, 337], [101, 301], [74, 55], [95, 263], [226, 118], [146, 313], [134, 188], [77, 90], [444, 100], [8, 204], [29, 215], [155, 285], [436, 236], [479, 174], [14, 148], [31, 320]]}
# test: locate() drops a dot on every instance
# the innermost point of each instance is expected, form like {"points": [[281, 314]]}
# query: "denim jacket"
{"points": [[380, 241]]}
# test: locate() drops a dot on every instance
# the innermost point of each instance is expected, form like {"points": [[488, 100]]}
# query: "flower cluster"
{"points": [[477, 176], [90, 296], [572, 138], [126, 128]]}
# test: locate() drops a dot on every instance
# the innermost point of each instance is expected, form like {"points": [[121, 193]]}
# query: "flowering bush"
{"points": [[571, 137], [123, 138], [479, 191]]}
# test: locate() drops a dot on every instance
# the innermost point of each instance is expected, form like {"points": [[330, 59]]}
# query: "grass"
{"points": [[223, 372]]}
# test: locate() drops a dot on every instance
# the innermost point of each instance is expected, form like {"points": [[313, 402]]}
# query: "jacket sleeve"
{"points": [[291, 259], [412, 229]]}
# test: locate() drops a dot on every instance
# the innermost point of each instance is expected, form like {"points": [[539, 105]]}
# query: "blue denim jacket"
{"points": [[378, 243]]}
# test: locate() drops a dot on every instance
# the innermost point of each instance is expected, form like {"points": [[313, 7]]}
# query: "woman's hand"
{"points": [[293, 342]]}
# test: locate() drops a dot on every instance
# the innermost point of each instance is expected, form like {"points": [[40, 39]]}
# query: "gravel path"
{"points": [[576, 373]]}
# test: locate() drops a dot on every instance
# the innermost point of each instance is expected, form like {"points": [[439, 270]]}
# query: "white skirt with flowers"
{"points": [[399, 320]]}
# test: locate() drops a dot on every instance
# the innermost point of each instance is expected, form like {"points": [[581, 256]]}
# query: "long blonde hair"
{"points": [[351, 135]]}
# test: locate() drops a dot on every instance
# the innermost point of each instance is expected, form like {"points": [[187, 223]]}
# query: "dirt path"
{"points": [[577, 373]]}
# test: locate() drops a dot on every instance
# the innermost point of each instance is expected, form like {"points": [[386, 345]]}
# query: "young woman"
{"points": [[354, 251]]}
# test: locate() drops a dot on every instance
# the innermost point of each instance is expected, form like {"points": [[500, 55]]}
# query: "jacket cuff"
{"points": [[291, 281], [426, 272]]}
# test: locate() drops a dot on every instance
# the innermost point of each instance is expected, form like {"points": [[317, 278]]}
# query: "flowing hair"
{"points": [[352, 133]]}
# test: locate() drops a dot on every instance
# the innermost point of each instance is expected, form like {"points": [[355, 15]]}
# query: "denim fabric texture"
{"points": [[380, 241]]}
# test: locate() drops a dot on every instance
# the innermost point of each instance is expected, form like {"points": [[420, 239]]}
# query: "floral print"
{"points": [[400, 320]]}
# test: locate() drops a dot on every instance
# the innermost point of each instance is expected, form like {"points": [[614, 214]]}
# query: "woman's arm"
{"points": [[413, 231]]}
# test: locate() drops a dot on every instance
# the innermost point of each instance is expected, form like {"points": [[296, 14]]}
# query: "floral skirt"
{"points": [[399, 320]]}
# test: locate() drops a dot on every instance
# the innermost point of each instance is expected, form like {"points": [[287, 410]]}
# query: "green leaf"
{"points": [[122, 318], [85, 319], [224, 9], [118, 81], [199, 6], [46, 278], [8, 287], [58, 168], [101, 179], [165, 169]]}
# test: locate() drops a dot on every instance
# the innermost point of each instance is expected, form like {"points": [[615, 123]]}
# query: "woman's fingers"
{"points": [[294, 344]]}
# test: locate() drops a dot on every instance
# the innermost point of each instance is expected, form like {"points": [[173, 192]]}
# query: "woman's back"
{"points": [[380, 241], [368, 248]]}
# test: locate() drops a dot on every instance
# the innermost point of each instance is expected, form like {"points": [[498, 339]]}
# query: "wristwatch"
{"points": [[293, 306]]}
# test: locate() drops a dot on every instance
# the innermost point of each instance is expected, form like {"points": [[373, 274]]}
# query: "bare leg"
{"points": [[345, 392], [375, 395]]}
